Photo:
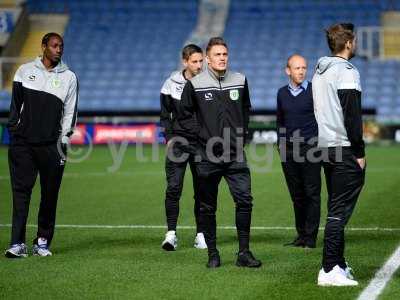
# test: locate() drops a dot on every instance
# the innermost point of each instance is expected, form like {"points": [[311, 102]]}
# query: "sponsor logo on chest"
{"points": [[208, 96], [176, 92], [179, 88], [38, 79]]}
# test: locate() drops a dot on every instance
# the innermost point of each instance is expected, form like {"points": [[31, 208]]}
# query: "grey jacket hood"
{"points": [[174, 85], [61, 67], [326, 62], [177, 77], [331, 75]]}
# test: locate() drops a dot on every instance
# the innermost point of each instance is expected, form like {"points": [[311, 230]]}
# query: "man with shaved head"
{"points": [[298, 132]]}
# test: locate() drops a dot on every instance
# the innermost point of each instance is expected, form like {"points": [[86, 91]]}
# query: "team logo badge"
{"points": [[56, 82], [32, 77], [234, 94]]}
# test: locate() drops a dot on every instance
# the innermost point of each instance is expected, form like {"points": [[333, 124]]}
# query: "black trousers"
{"points": [[25, 162], [175, 173], [237, 175], [303, 179], [344, 181]]}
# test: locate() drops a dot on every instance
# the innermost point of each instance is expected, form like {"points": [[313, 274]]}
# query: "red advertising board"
{"points": [[103, 134]]}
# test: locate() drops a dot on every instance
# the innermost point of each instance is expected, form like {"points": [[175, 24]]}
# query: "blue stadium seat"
{"points": [[265, 31], [120, 46], [122, 54], [5, 99]]}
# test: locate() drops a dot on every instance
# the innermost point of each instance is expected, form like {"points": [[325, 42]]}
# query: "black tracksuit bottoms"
{"points": [[25, 162], [175, 173], [344, 181], [303, 179], [237, 175]]}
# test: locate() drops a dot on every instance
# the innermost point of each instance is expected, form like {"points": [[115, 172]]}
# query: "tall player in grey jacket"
{"points": [[43, 115], [179, 154], [337, 105]]}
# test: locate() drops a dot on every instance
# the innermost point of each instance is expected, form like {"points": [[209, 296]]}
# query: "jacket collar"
{"points": [[61, 66], [217, 77]]}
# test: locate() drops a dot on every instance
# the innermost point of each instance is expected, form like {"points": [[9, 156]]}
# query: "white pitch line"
{"points": [[134, 226], [101, 174], [161, 172], [382, 277]]}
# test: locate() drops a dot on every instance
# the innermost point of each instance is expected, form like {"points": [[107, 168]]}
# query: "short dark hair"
{"points": [[46, 38], [216, 41], [190, 49], [338, 35]]}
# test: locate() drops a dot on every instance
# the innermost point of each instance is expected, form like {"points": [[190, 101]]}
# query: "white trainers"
{"points": [[41, 250], [17, 251], [349, 272], [170, 242], [336, 277], [200, 242]]}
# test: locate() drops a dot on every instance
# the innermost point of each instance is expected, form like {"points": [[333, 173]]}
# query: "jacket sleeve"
{"points": [[350, 100], [186, 115], [165, 115], [246, 111], [70, 110], [17, 101], [349, 93], [280, 117]]}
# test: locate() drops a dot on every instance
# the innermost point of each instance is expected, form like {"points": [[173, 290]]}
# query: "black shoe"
{"points": [[298, 242], [214, 261], [246, 259], [310, 245]]}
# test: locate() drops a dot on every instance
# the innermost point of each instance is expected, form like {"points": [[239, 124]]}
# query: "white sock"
{"points": [[42, 242]]}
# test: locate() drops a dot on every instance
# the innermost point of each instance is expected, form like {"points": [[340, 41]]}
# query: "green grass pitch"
{"points": [[116, 263]]}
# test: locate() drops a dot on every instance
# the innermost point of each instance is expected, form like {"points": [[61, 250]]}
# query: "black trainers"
{"points": [[214, 261], [297, 242], [310, 244], [246, 259]]}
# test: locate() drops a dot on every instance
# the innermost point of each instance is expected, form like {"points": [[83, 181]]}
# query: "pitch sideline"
{"points": [[382, 277], [371, 292], [139, 226]]}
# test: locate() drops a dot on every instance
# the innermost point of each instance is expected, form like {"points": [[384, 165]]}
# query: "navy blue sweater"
{"points": [[296, 112]]}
